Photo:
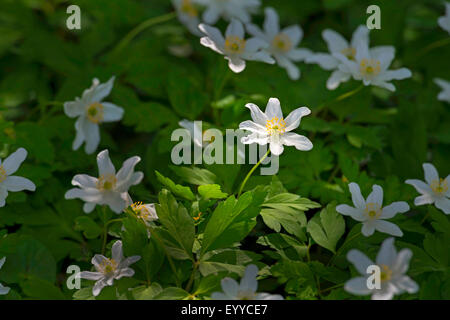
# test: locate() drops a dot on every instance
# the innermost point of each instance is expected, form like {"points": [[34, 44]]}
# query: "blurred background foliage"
{"points": [[371, 137]]}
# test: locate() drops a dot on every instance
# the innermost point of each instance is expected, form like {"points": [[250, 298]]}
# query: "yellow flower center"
{"points": [[106, 183], [386, 273], [439, 186], [276, 126], [369, 68], [245, 295], [234, 45], [282, 42], [108, 266], [188, 9], [3, 174], [373, 210], [350, 53], [95, 112]]}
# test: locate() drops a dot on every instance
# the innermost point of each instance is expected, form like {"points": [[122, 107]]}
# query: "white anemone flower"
{"points": [[245, 290], [281, 44], [228, 9], [371, 212], [11, 183], [91, 112], [271, 128], [110, 188], [444, 95], [433, 190], [393, 267], [444, 21], [109, 270], [234, 47], [145, 212], [371, 66], [3, 290], [338, 44], [188, 15]]}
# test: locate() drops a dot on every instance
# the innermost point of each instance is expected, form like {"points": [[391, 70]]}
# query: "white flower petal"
{"points": [[105, 166], [298, 141], [92, 136], [230, 287], [359, 260], [126, 272], [90, 275], [355, 213], [357, 197], [295, 33], [395, 207], [336, 78], [299, 54], [252, 127], [211, 15], [235, 28], [387, 254], [79, 129], [294, 118], [2, 262], [99, 285], [424, 199], [116, 251], [14, 160], [383, 294], [376, 196], [236, 65], [357, 286], [88, 207], [401, 263], [248, 281], [420, 186], [407, 284], [254, 44], [361, 34], [74, 108], [84, 181], [388, 227], [273, 109], [398, 74], [431, 173], [271, 22], [368, 229], [268, 296], [324, 60], [292, 70], [111, 112], [276, 148], [102, 90], [335, 42], [87, 195], [4, 290], [443, 204], [219, 296], [15, 183], [255, 138], [257, 115]]}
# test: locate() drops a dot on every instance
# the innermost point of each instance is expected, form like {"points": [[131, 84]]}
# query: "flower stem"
{"points": [[432, 46], [251, 171], [340, 98], [141, 27], [191, 279]]}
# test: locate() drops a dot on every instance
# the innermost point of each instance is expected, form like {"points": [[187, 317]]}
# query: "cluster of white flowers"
{"points": [[356, 60]]}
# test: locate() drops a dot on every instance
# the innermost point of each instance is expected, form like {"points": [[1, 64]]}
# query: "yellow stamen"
{"points": [[94, 112], [369, 68], [439, 186], [108, 266], [386, 273], [373, 210], [282, 42], [106, 183], [350, 53], [3, 174], [187, 8], [234, 45], [276, 126]]}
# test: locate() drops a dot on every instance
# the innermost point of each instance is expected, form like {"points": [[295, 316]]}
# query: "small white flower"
{"points": [[188, 15], [371, 66], [435, 190], [91, 112], [3, 290], [234, 47], [337, 44], [8, 182], [228, 9], [110, 188], [270, 127], [444, 21], [109, 270], [145, 212], [393, 266], [282, 45], [444, 95], [371, 211], [246, 290]]}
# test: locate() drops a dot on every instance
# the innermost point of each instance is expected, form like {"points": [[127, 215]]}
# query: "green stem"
{"points": [[343, 245], [251, 171], [332, 287], [141, 27], [191, 279], [169, 258], [340, 98], [432, 46], [425, 217]]}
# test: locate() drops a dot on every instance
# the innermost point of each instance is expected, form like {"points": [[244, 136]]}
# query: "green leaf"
{"points": [[195, 175], [211, 191], [41, 289], [177, 220], [172, 293], [90, 228], [178, 190], [327, 227]]}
